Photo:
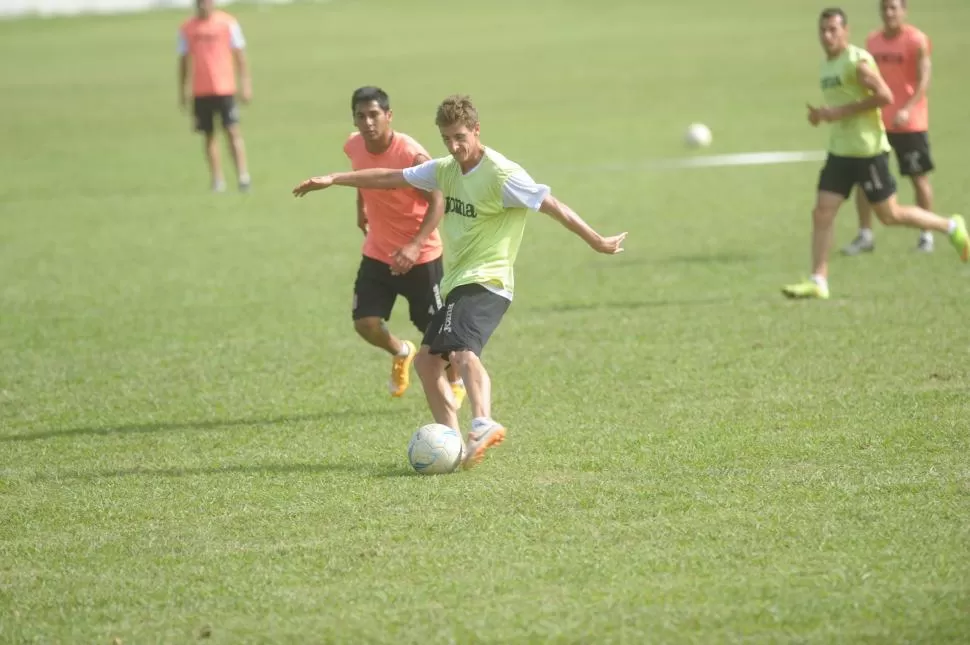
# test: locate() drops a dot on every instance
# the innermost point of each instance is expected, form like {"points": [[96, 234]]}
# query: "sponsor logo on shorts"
{"points": [[913, 161], [447, 325]]}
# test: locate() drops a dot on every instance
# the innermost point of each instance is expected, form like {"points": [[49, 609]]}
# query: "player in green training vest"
{"points": [[487, 203], [858, 153]]}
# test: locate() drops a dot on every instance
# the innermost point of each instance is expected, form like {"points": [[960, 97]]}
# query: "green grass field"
{"points": [[195, 445]]}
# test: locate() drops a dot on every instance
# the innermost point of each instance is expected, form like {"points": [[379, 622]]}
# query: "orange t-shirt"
{"points": [[209, 42], [898, 61], [393, 216]]}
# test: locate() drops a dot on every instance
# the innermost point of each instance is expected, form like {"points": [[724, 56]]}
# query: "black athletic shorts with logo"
{"points": [[912, 152], [840, 174], [376, 289], [206, 107], [466, 322]]}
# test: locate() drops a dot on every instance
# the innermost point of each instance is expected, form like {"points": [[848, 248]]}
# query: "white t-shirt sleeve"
{"points": [[236, 39], [521, 191], [183, 46], [424, 176]]}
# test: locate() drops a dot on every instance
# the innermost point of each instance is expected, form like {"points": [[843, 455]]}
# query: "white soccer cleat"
{"points": [[859, 245], [485, 434], [925, 243]]}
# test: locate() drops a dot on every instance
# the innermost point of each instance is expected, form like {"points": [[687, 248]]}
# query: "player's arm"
{"points": [[361, 213], [924, 69], [183, 69], [880, 95], [568, 218], [238, 45], [377, 178], [404, 258]]}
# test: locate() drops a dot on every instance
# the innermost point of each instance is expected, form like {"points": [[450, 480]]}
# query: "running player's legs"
{"points": [[891, 213], [229, 114], [431, 370], [835, 183], [914, 159], [421, 287], [471, 315], [204, 110], [374, 296]]}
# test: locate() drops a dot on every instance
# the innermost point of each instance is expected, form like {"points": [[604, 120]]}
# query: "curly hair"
{"points": [[457, 109]]}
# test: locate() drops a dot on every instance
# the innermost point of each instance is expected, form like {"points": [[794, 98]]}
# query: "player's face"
{"points": [[461, 141], [833, 35], [372, 121], [204, 7], [893, 14]]}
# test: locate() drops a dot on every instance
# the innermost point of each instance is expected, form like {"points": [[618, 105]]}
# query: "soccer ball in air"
{"points": [[698, 135], [435, 449]]}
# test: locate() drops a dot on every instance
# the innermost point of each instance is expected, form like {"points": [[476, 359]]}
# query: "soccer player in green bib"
{"points": [[488, 199], [858, 153]]}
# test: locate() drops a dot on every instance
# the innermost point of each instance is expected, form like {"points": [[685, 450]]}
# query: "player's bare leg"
{"points": [[485, 432], [924, 199], [215, 164], [891, 213], [823, 223], [431, 371], [823, 219], [238, 148], [864, 241], [374, 331]]}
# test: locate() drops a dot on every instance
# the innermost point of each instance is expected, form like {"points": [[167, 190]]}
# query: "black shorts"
{"points": [[840, 174], [375, 291], [912, 152], [206, 107], [470, 315]]}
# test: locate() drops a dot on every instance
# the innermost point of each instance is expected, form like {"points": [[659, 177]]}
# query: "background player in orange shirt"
{"points": [[402, 248], [214, 43], [902, 53]]}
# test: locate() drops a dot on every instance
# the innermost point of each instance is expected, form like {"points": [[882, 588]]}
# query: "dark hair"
{"points": [[367, 94], [834, 12]]}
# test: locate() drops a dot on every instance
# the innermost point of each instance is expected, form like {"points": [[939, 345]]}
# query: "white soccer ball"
{"points": [[435, 449], [698, 135]]}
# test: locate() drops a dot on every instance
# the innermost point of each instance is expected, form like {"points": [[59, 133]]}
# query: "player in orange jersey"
{"points": [[402, 248], [902, 53], [214, 43]]}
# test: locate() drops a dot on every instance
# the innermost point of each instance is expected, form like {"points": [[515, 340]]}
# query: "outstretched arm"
{"points": [[380, 178], [568, 218]]}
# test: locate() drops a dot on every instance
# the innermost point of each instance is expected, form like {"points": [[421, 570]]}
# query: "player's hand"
{"points": [[247, 93], [902, 118], [182, 101], [312, 184], [404, 258], [362, 222], [814, 116], [609, 245]]}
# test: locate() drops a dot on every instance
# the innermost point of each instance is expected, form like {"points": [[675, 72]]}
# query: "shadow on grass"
{"points": [[375, 470], [204, 424]]}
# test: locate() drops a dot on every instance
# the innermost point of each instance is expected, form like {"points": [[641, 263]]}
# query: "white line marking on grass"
{"points": [[716, 161]]}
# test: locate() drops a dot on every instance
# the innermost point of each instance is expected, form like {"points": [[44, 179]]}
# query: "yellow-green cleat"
{"points": [[960, 239], [806, 289]]}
